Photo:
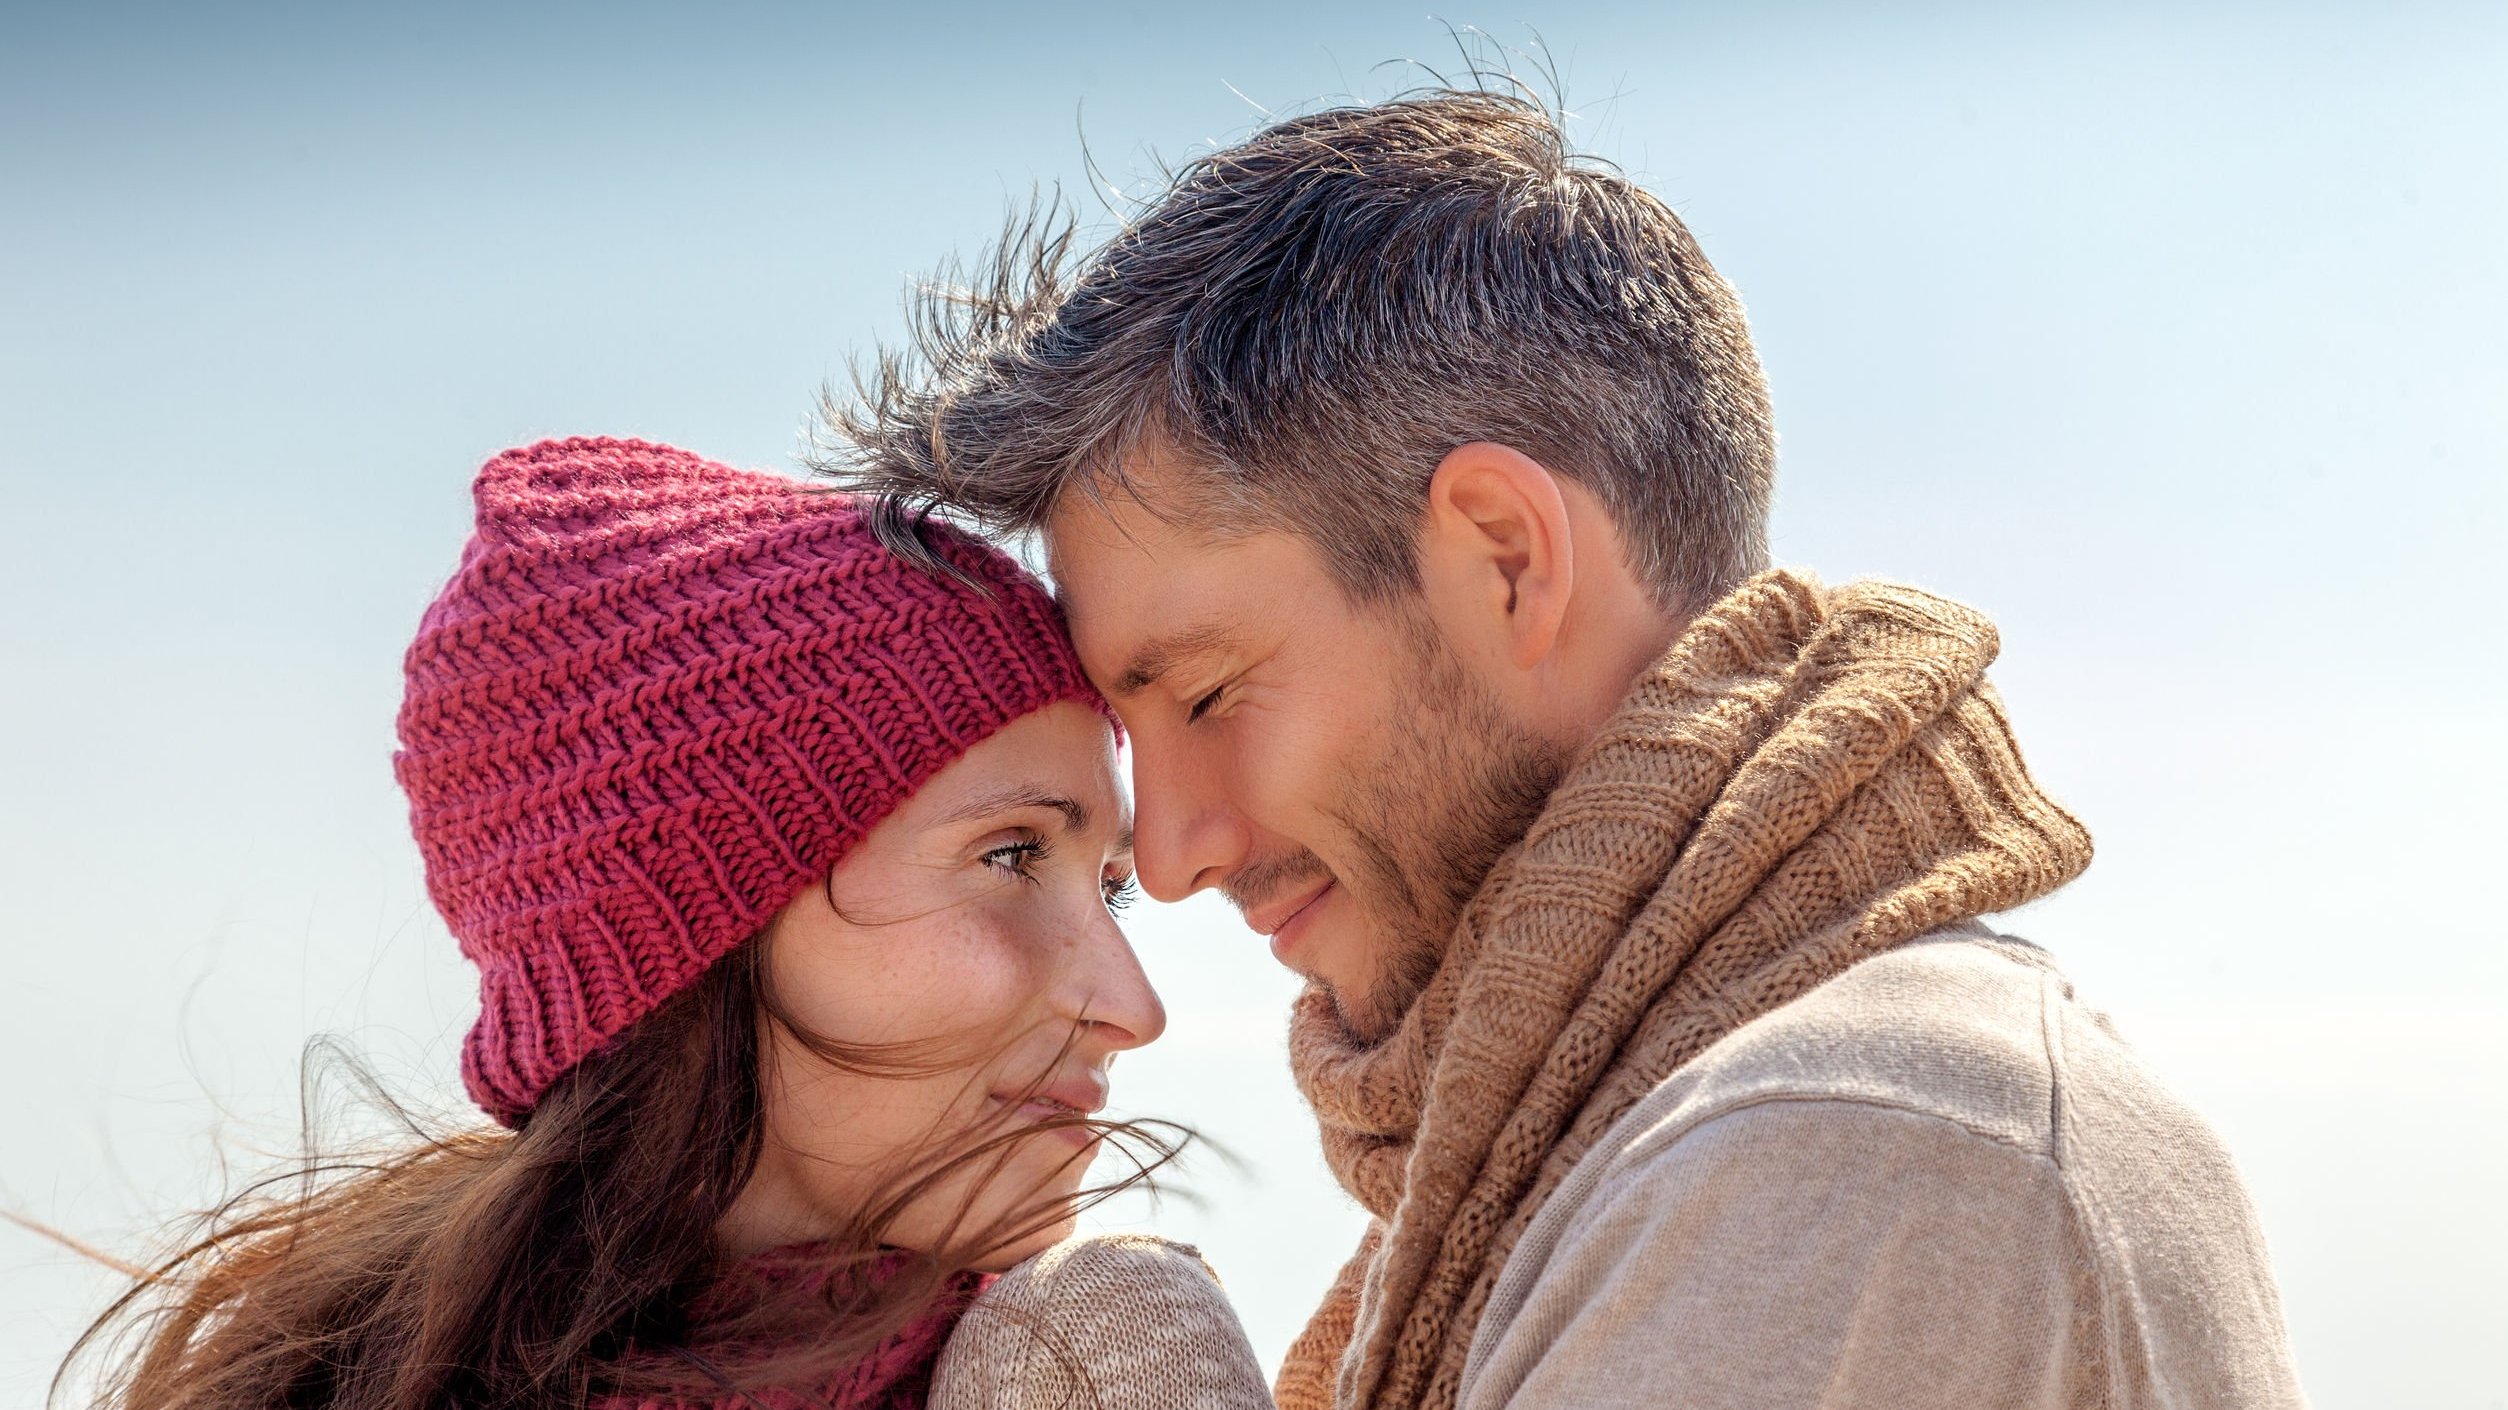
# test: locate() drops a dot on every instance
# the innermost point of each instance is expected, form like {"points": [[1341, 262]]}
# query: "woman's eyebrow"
{"points": [[1011, 797]]}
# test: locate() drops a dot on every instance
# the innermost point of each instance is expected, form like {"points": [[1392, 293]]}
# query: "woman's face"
{"points": [[973, 924]]}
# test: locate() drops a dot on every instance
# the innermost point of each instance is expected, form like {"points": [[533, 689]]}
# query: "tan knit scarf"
{"points": [[1807, 778]]}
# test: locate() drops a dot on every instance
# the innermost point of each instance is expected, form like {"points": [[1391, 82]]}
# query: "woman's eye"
{"points": [[1017, 858], [1121, 892], [1202, 706]]}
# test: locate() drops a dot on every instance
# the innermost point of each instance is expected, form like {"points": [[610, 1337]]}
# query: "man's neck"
{"points": [[1622, 643]]}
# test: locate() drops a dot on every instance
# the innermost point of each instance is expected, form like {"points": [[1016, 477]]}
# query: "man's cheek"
{"points": [[1320, 747]]}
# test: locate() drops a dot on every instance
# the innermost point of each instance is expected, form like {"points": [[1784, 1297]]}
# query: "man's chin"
{"points": [[1370, 1013], [1382, 968], [1364, 1024]]}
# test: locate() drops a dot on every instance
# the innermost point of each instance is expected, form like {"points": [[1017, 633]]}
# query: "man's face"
{"points": [[1333, 769]]}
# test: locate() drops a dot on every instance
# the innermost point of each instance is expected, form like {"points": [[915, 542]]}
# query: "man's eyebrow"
{"points": [[1075, 814], [1157, 658]]}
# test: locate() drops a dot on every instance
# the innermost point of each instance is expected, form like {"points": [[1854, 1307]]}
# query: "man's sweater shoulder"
{"points": [[1964, 1037], [1969, 1028], [1944, 1117], [1964, 1028]]}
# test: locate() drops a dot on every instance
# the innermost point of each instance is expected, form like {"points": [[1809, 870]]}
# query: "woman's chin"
{"points": [[1001, 1260]]}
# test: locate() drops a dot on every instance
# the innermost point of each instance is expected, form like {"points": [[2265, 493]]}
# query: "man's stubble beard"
{"points": [[1456, 784]]}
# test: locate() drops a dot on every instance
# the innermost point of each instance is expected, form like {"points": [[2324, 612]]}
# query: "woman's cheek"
{"points": [[999, 969], [964, 970]]}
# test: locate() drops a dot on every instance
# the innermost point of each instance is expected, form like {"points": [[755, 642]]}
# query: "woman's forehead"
{"points": [[1060, 760]]}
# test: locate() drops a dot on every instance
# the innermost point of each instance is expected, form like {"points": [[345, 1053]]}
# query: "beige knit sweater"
{"points": [[1115, 1322], [1938, 1182]]}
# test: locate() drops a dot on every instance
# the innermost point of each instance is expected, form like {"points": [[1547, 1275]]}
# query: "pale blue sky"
{"points": [[2173, 340]]}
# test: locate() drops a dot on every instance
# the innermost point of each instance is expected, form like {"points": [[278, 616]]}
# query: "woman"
{"points": [[788, 871]]}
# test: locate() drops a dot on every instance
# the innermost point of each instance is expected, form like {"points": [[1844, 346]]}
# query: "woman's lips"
{"points": [[1062, 1099], [1037, 1113]]}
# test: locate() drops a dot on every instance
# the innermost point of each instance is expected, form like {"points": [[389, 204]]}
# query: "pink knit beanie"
{"points": [[658, 698]]}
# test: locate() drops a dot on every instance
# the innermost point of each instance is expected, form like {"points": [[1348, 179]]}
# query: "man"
{"points": [[1406, 482]]}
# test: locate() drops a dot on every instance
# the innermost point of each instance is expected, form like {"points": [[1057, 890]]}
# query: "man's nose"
{"points": [[1185, 836]]}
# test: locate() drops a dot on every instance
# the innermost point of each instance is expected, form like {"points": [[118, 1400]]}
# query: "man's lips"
{"points": [[1290, 931], [1273, 917]]}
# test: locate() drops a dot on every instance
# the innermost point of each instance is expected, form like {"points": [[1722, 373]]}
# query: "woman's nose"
{"points": [[1114, 994]]}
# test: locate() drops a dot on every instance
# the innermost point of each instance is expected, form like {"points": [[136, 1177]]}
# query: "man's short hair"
{"points": [[1307, 322]]}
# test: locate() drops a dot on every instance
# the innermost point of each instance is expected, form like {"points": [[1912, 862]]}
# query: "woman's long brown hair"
{"points": [[548, 1265]]}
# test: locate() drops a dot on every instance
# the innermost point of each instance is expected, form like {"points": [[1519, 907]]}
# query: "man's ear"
{"points": [[1496, 548]]}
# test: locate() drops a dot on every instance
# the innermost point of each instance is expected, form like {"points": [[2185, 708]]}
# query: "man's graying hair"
{"points": [[1304, 324]]}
